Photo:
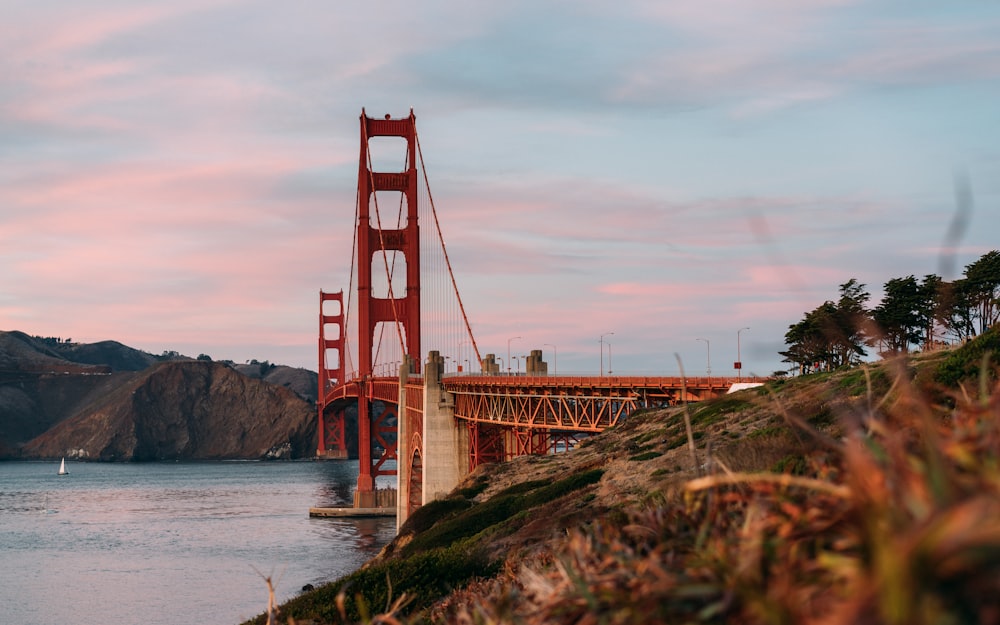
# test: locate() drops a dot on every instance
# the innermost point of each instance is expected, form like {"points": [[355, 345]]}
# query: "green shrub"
{"points": [[498, 509], [966, 362], [714, 410], [771, 431], [471, 492], [563, 486], [423, 578], [427, 515], [794, 464], [648, 455], [522, 487], [856, 381], [822, 417]]}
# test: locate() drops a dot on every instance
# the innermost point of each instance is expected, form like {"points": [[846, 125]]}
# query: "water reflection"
{"points": [[336, 489], [340, 477]]}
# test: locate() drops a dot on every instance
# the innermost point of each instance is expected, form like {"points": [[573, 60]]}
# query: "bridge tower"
{"points": [[331, 430], [379, 249]]}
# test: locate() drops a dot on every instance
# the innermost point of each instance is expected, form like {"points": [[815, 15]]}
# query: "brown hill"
{"points": [[39, 388], [110, 353], [302, 381], [22, 353], [46, 381], [184, 410]]}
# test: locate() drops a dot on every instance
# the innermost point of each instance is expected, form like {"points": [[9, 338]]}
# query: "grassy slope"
{"points": [[867, 495]]}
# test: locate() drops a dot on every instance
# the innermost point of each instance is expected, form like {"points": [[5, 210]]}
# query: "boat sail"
{"points": [[62, 468]]}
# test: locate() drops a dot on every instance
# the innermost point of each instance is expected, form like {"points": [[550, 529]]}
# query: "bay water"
{"points": [[159, 543]]}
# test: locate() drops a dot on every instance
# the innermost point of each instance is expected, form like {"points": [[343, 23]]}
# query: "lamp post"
{"points": [[508, 352], [609, 357], [501, 363], [555, 358], [708, 351], [739, 361], [601, 341]]}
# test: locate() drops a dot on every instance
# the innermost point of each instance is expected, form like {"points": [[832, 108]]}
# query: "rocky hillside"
{"points": [[185, 410], [107, 401], [869, 495], [302, 382]]}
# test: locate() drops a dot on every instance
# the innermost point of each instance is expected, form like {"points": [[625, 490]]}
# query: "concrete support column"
{"points": [[490, 365], [446, 445], [534, 365], [404, 452]]}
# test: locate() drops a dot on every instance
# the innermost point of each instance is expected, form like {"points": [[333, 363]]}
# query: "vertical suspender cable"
{"points": [[350, 288], [451, 274]]}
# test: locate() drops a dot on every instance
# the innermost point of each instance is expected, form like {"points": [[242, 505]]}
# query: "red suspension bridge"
{"points": [[413, 420]]}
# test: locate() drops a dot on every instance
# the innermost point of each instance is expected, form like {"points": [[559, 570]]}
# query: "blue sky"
{"points": [[181, 175]]}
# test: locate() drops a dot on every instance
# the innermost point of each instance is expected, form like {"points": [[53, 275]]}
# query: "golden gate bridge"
{"points": [[431, 418]]}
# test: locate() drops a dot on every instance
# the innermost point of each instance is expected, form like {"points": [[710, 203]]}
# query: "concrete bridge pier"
{"points": [[404, 451], [444, 454]]}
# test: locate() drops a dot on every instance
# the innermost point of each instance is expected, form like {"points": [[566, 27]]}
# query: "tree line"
{"points": [[923, 313]]}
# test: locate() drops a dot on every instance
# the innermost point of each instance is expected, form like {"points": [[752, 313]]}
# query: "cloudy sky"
{"points": [[181, 175]]}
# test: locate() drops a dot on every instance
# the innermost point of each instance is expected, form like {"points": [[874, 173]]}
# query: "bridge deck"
{"points": [[569, 403]]}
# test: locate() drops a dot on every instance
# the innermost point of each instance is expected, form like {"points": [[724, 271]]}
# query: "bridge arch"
{"points": [[415, 491]]}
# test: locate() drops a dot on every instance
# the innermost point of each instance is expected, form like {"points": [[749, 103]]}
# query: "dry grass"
{"points": [[887, 511], [896, 521]]}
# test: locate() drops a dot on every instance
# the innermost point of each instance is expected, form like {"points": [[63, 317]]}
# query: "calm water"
{"points": [[150, 544]]}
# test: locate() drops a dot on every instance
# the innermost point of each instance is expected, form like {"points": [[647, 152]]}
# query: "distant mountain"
{"points": [[22, 353], [108, 401], [301, 381], [189, 409], [111, 353]]}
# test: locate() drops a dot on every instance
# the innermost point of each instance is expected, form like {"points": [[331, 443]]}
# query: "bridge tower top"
{"points": [[382, 247]]}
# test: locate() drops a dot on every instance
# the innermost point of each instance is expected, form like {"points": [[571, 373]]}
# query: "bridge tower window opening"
{"points": [[332, 358], [392, 210], [388, 153], [396, 262]]}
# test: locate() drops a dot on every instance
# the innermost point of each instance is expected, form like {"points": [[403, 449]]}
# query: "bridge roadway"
{"points": [[552, 402]]}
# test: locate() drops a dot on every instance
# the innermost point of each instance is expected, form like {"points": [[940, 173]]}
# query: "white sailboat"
{"points": [[62, 468]]}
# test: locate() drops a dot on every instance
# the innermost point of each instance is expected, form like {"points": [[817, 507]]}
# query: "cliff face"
{"points": [[185, 410], [30, 404]]}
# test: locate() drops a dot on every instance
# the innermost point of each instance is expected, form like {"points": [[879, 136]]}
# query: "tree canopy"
{"points": [[831, 335], [911, 313]]}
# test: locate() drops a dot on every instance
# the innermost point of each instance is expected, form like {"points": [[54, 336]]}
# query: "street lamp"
{"points": [[501, 362], [555, 358], [508, 352], [708, 348], [601, 341], [609, 357], [739, 361]]}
